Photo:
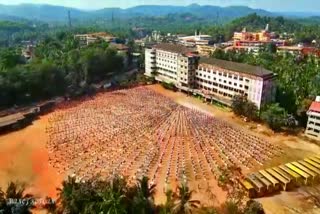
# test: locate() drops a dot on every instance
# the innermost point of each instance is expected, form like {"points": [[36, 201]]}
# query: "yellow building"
{"points": [[86, 39], [205, 50]]}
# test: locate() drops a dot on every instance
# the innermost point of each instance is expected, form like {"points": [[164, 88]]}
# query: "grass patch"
{"points": [[221, 106]]}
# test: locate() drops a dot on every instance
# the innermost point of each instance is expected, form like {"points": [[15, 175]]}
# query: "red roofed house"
{"points": [[313, 125]]}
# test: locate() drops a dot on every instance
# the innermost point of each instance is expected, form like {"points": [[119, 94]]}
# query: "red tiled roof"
{"points": [[315, 106]]}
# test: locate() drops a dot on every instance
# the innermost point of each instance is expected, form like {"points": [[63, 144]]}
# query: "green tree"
{"points": [[231, 207], [242, 106], [238, 104], [9, 58], [113, 198], [253, 207], [68, 198], [144, 200], [209, 210], [168, 206], [271, 48], [275, 116], [183, 201], [14, 200]]}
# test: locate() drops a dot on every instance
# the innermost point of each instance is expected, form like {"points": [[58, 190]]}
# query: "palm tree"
{"points": [[68, 196], [167, 207], [50, 205], [113, 198], [231, 207], [14, 200], [147, 190], [209, 210], [183, 203], [144, 200]]}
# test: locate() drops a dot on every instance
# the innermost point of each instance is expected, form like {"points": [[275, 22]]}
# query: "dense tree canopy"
{"points": [[297, 77], [59, 66]]}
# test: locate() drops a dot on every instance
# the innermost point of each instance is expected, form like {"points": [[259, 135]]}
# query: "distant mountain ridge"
{"points": [[51, 13]]}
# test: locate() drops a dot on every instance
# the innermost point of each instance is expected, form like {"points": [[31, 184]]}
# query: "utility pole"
{"points": [[69, 19], [218, 18]]}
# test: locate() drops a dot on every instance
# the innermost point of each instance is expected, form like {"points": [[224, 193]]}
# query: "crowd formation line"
{"points": [[136, 132]]}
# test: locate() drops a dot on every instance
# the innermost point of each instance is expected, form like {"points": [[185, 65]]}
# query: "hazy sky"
{"points": [[272, 5]]}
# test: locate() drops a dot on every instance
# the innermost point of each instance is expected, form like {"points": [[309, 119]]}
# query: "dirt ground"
{"points": [[295, 147], [24, 157]]}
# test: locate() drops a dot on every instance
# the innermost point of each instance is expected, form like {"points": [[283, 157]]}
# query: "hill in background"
{"points": [[50, 13]]}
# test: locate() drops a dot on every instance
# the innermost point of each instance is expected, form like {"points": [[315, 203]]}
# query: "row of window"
{"points": [[313, 123], [314, 130], [224, 81], [168, 76], [214, 90], [167, 66], [166, 60], [224, 87], [314, 117], [163, 70], [183, 79], [167, 56], [236, 77]]}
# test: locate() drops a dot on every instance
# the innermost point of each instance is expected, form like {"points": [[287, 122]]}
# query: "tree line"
{"points": [[303, 30], [298, 82], [59, 66], [116, 196]]}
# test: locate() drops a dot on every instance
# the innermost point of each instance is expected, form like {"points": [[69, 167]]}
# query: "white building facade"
{"points": [[150, 61], [216, 80], [221, 80], [313, 125], [172, 64], [197, 39]]}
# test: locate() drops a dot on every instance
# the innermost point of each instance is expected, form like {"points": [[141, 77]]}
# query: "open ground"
{"points": [[140, 131]]}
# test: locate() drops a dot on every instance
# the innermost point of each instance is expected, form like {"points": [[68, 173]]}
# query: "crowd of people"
{"points": [[137, 132]]}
